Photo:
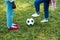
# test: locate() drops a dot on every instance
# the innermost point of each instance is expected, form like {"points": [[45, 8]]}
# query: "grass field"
{"points": [[39, 31]]}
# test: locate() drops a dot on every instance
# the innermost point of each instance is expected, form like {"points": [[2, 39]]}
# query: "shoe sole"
{"points": [[13, 29], [43, 22]]}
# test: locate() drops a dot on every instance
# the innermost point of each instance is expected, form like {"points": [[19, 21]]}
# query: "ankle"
{"points": [[46, 18], [37, 13]]}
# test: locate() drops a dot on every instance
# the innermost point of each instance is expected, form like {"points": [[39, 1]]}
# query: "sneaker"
{"points": [[14, 27], [15, 24], [44, 20], [35, 15]]}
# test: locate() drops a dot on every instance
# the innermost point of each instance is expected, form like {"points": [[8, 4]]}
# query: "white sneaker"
{"points": [[44, 20], [35, 15]]}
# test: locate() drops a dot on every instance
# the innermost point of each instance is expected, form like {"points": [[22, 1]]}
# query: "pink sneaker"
{"points": [[14, 27]]}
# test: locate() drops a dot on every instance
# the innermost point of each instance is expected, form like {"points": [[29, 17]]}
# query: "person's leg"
{"points": [[9, 14], [37, 7], [46, 11]]}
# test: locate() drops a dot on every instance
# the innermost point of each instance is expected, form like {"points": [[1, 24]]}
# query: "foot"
{"points": [[35, 15], [44, 20], [14, 24], [14, 27]]}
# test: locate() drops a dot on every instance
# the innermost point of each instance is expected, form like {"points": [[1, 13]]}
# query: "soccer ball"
{"points": [[30, 21]]}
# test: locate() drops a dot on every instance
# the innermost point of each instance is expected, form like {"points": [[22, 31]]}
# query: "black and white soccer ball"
{"points": [[30, 21]]}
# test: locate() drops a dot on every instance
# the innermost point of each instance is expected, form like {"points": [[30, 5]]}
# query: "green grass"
{"points": [[39, 31]]}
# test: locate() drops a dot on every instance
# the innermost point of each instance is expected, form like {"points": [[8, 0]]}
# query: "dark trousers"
{"points": [[46, 6]]}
